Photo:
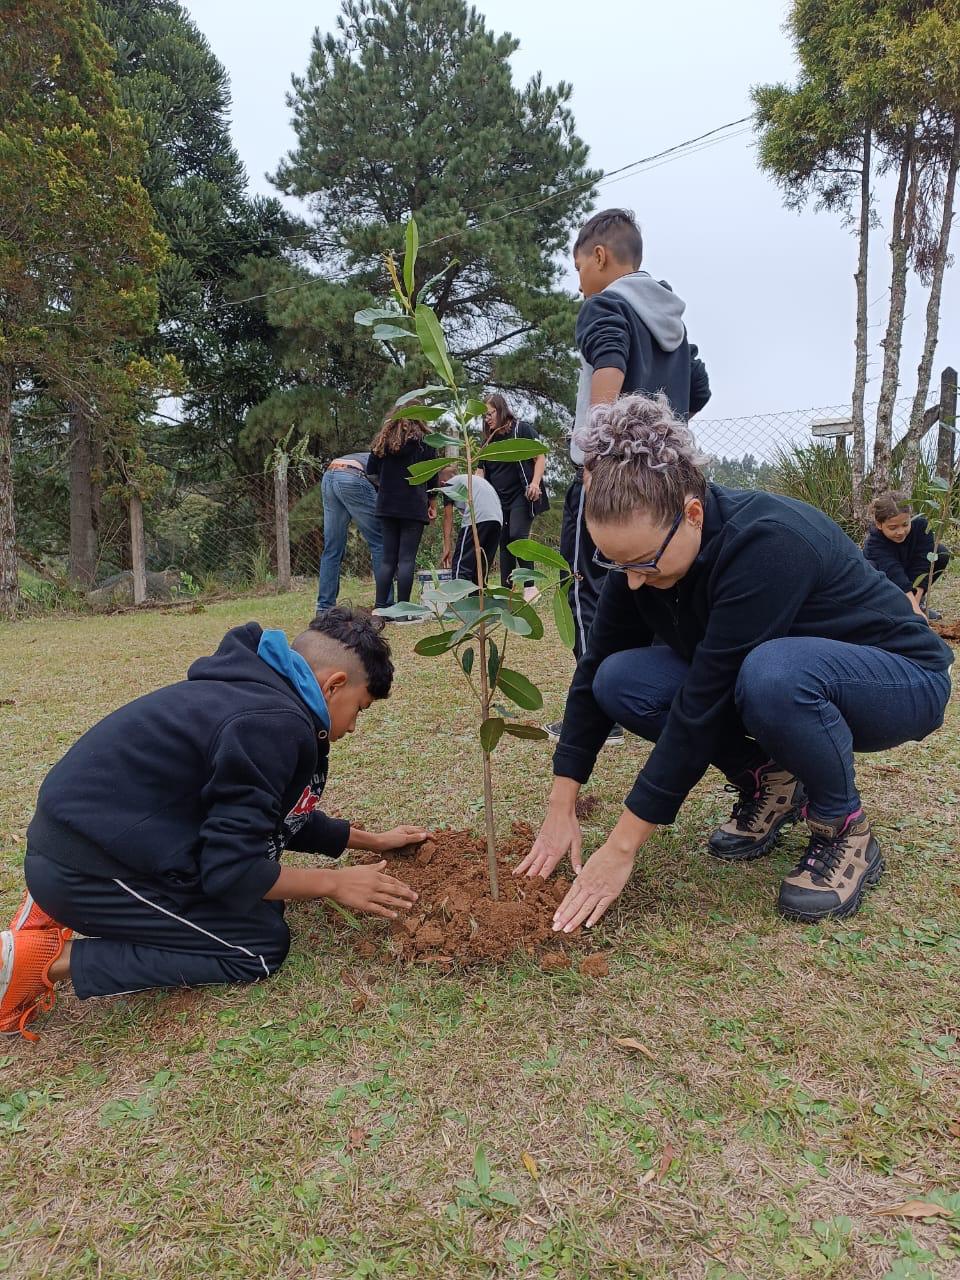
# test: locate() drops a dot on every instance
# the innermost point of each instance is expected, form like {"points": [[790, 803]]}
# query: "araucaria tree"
{"points": [[78, 247], [410, 106], [878, 92], [477, 622], [219, 237]]}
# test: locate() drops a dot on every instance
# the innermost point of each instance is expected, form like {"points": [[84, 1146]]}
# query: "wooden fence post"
{"points": [[282, 512], [948, 420], [138, 559]]}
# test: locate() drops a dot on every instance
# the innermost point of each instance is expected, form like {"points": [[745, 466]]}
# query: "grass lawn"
{"points": [[790, 1081]]}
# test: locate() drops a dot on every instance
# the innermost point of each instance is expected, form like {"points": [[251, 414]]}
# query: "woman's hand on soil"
{"points": [[560, 832], [914, 598], [397, 837], [369, 889], [598, 885]]}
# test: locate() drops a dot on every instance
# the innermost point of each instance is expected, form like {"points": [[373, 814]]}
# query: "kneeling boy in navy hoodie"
{"points": [[159, 834]]}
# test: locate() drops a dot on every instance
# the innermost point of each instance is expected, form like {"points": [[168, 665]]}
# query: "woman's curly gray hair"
{"points": [[640, 457]]}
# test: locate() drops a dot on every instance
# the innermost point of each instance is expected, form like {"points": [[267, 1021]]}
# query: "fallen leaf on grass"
{"points": [[954, 1128], [356, 1138], [913, 1209], [530, 1165], [666, 1160], [362, 997], [648, 1177], [633, 1046]]}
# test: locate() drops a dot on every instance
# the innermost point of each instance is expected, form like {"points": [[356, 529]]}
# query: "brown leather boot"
{"points": [[769, 800], [842, 861]]}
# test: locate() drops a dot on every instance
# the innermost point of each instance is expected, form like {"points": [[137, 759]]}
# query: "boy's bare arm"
{"points": [[605, 385], [362, 888]]}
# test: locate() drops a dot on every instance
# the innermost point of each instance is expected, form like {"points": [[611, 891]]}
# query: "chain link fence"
{"points": [[201, 536]]}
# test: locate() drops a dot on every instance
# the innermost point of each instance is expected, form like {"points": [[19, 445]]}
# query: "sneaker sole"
{"points": [[764, 847], [848, 908]]}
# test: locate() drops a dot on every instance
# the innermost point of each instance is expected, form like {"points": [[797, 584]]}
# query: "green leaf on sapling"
{"points": [[519, 689], [491, 731]]}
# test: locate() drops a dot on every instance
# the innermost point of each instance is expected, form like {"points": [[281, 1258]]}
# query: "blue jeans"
{"points": [[808, 703], [347, 496]]}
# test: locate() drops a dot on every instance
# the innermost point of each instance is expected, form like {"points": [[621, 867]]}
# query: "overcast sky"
{"points": [[769, 293]]}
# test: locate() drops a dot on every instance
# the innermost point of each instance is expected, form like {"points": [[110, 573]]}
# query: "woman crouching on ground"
{"points": [[739, 629]]}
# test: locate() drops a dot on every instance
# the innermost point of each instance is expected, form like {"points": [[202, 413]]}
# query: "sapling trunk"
{"points": [[484, 684]]}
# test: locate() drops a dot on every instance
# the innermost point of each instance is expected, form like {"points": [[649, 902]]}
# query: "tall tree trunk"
{"points": [[859, 457], [84, 501], [281, 506], [900, 239], [137, 551], [9, 592], [925, 368]]}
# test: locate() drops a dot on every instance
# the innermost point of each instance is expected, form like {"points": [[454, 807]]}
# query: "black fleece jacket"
{"points": [[197, 786], [767, 567], [902, 562]]}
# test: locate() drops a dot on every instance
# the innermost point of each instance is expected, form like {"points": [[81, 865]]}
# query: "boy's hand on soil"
{"points": [[560, 832], [369, 889], [397, 837], [598, 885]]}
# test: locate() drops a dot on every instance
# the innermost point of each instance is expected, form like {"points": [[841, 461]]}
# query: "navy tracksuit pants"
{"points": [[139, 935]]}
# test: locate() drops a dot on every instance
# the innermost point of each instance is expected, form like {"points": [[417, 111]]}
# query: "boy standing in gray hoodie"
{"points": [[631, 337]]}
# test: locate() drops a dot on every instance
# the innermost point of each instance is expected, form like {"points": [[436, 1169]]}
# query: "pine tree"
{"points": [[78, 246], [408, 108]]}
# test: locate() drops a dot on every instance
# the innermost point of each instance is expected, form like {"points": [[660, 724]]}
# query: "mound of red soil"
{"points": [[949, 630], [456, 922]]}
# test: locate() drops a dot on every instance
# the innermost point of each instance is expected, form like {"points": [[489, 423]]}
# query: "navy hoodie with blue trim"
{"points": [[198, 786], [768, 567]]}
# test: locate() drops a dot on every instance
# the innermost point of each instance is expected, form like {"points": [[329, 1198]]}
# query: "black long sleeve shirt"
{"points": [[768, 567]]}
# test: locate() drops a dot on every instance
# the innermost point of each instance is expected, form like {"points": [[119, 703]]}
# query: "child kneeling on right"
{"points": [[899, 544], [159, 834]]}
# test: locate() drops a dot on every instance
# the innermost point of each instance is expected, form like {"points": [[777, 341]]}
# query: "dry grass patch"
{"points": [[789, 1082]]}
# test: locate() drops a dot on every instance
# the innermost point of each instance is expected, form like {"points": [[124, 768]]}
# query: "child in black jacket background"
{"points": [[159, 834], [899, 545]]}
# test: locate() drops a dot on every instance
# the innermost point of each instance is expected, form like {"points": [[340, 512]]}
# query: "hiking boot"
{"points": [[842, 861], [770, 799], [30, 915], [25, 986]]}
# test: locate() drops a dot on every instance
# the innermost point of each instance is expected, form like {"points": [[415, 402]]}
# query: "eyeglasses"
{"points": [[640, 566]]}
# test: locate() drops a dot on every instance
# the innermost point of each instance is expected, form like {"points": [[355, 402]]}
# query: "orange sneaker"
{"points": [[25, 986], [30, 915]]}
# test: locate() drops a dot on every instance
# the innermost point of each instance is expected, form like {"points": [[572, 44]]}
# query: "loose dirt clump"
{"points": [[455, 921], [948, 630], [595, 967], [585, 806]]}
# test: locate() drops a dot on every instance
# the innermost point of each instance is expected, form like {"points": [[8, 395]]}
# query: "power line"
{"points": [[689, 146]]}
